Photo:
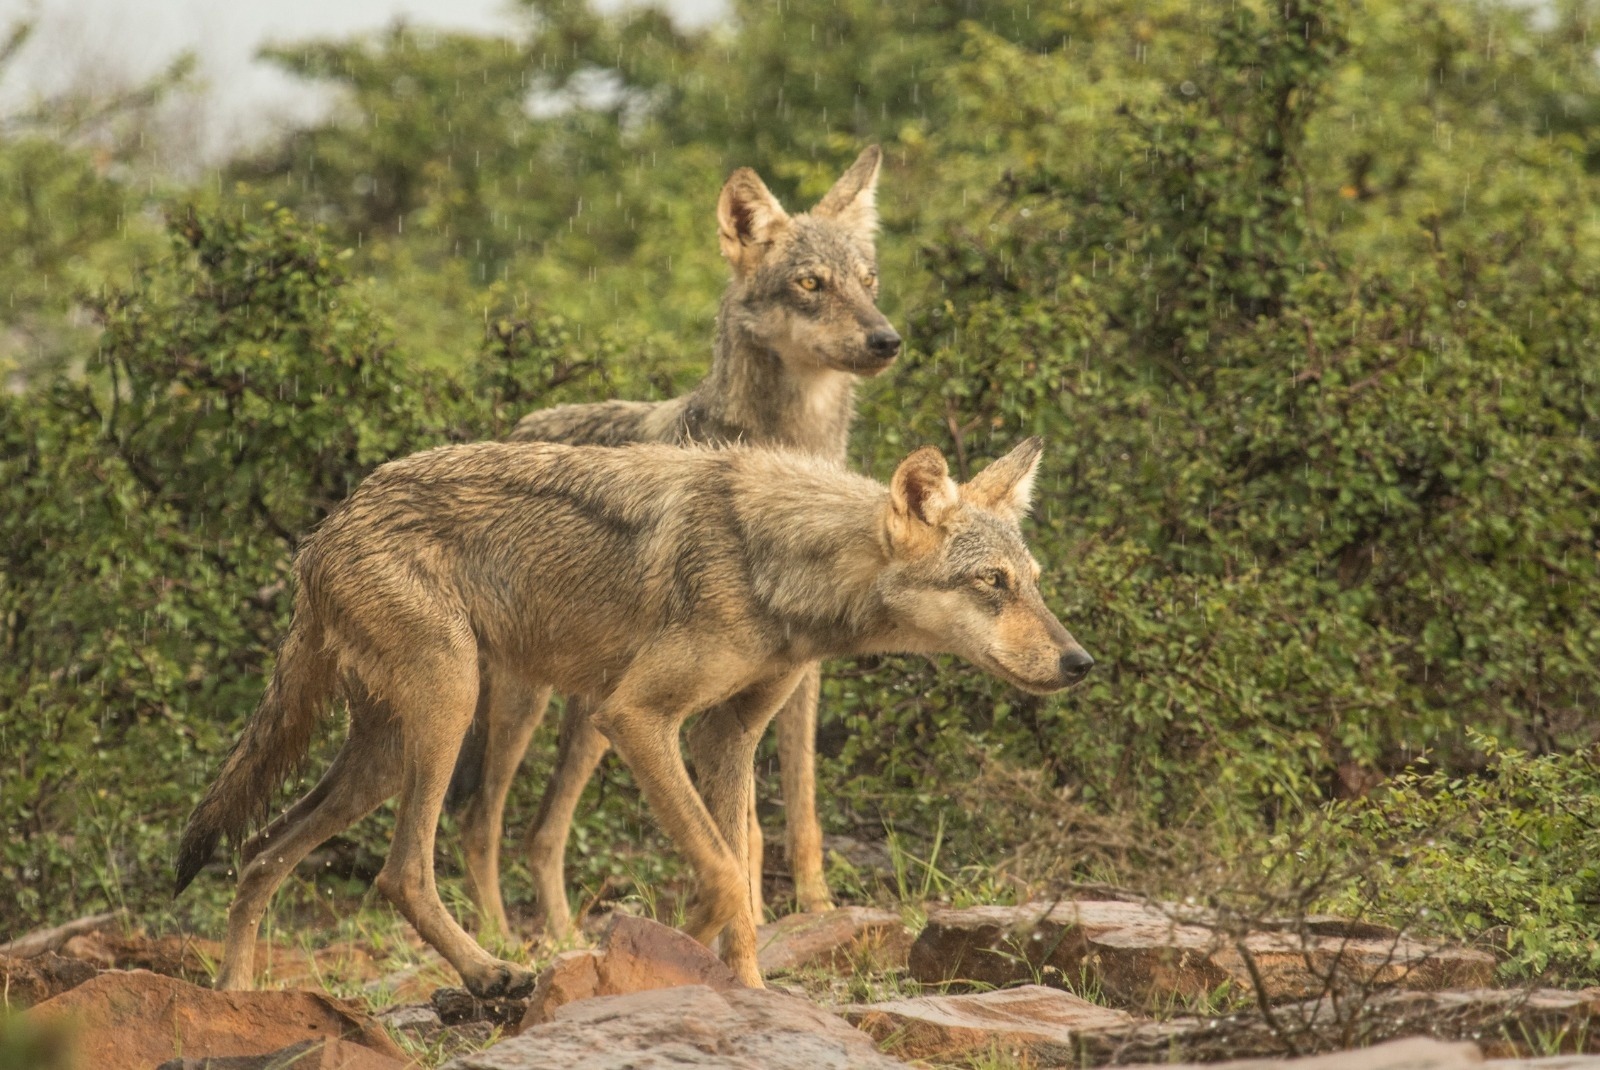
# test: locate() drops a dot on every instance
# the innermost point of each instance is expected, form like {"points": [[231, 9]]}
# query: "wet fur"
{"points": [[784, 369], [663, 582]]}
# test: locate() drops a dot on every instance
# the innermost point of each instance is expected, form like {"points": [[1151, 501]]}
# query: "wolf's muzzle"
{"points": [[1075, 665], [883, 344]]}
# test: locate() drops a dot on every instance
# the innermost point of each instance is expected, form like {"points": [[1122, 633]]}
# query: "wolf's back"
{"points": [[603, 423]]}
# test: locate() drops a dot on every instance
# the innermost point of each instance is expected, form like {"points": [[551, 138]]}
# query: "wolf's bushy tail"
{"points": [[274, 743]]}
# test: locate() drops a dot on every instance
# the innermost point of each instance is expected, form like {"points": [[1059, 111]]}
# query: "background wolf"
{"points": [[797, 325], [663, 582]]}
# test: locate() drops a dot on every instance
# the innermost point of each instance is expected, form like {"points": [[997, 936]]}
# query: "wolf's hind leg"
{"points": [[434, 704], [797, 764], [512, 712], [579, 750], [364, 773]]}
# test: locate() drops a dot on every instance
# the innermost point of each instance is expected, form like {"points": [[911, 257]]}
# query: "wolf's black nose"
{"points": [[884, 343], [1075, 664]]}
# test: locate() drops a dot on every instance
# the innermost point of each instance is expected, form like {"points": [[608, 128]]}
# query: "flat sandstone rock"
{"points": [[1046, 1025], [834, 939], [306, 1055], [693, 1027], [1415, 1053], [1140, 956]]}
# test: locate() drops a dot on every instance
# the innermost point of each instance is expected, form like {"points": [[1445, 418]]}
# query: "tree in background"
{"points": [[70, 168]]}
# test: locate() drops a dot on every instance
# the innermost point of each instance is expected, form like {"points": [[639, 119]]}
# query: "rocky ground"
{"points": [[1064, 983]]}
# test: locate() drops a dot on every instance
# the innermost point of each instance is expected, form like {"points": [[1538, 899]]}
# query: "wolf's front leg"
{"points": [[646, 737]]}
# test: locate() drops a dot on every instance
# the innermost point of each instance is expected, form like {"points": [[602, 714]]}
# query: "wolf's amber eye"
{"points": [[871, 280], [810, 283], [993, 578]]}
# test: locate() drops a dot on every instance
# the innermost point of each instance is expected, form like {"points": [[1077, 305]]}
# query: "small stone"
{"points": [[411, 1018], [635, 955], [456, 1006]]}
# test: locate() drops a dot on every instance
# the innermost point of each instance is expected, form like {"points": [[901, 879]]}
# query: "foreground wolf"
{"points": [[797, 326], [662, 582]]}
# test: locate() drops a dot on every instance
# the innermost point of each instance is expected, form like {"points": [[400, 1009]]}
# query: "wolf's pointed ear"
{"points": [[1007, 484], [853, 200], [921, 494], [748, 216]]}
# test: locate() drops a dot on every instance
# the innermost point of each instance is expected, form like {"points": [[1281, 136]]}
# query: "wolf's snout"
{"points": [[1075, 665], [884, 343]]}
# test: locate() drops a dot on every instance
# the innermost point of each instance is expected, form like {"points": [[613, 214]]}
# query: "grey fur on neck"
{"points": [[815, 548], [750, 396]]}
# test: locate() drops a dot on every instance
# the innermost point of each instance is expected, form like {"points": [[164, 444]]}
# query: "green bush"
{"points": [[148, 512], [1320, 490], [1303, 298], [1511, 855]]}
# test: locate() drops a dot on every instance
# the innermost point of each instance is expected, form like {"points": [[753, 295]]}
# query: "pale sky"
{"points": [[117, 42]]}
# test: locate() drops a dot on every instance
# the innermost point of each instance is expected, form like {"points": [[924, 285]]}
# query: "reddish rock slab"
{"points": [[140, 1018], [1140, 957], [635, 955], [307, 1055], [1500, 1021], [692, 1027], [1144, 965], [1416, 1053], [1001, 945], [1044, 1025], [24, 982], [192, 958], [834, 939]]}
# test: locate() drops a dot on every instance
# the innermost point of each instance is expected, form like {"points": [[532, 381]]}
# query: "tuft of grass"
{"points": [[444, 1045]]}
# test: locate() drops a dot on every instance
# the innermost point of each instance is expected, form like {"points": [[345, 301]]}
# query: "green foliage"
{"points": [[1512, 853], [148, 512], [1305, 513], [402, 160], [1301, 296]]}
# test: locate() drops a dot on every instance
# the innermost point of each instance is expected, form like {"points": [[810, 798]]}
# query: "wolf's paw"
{"points": [[503, 980], [814, 902]]}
